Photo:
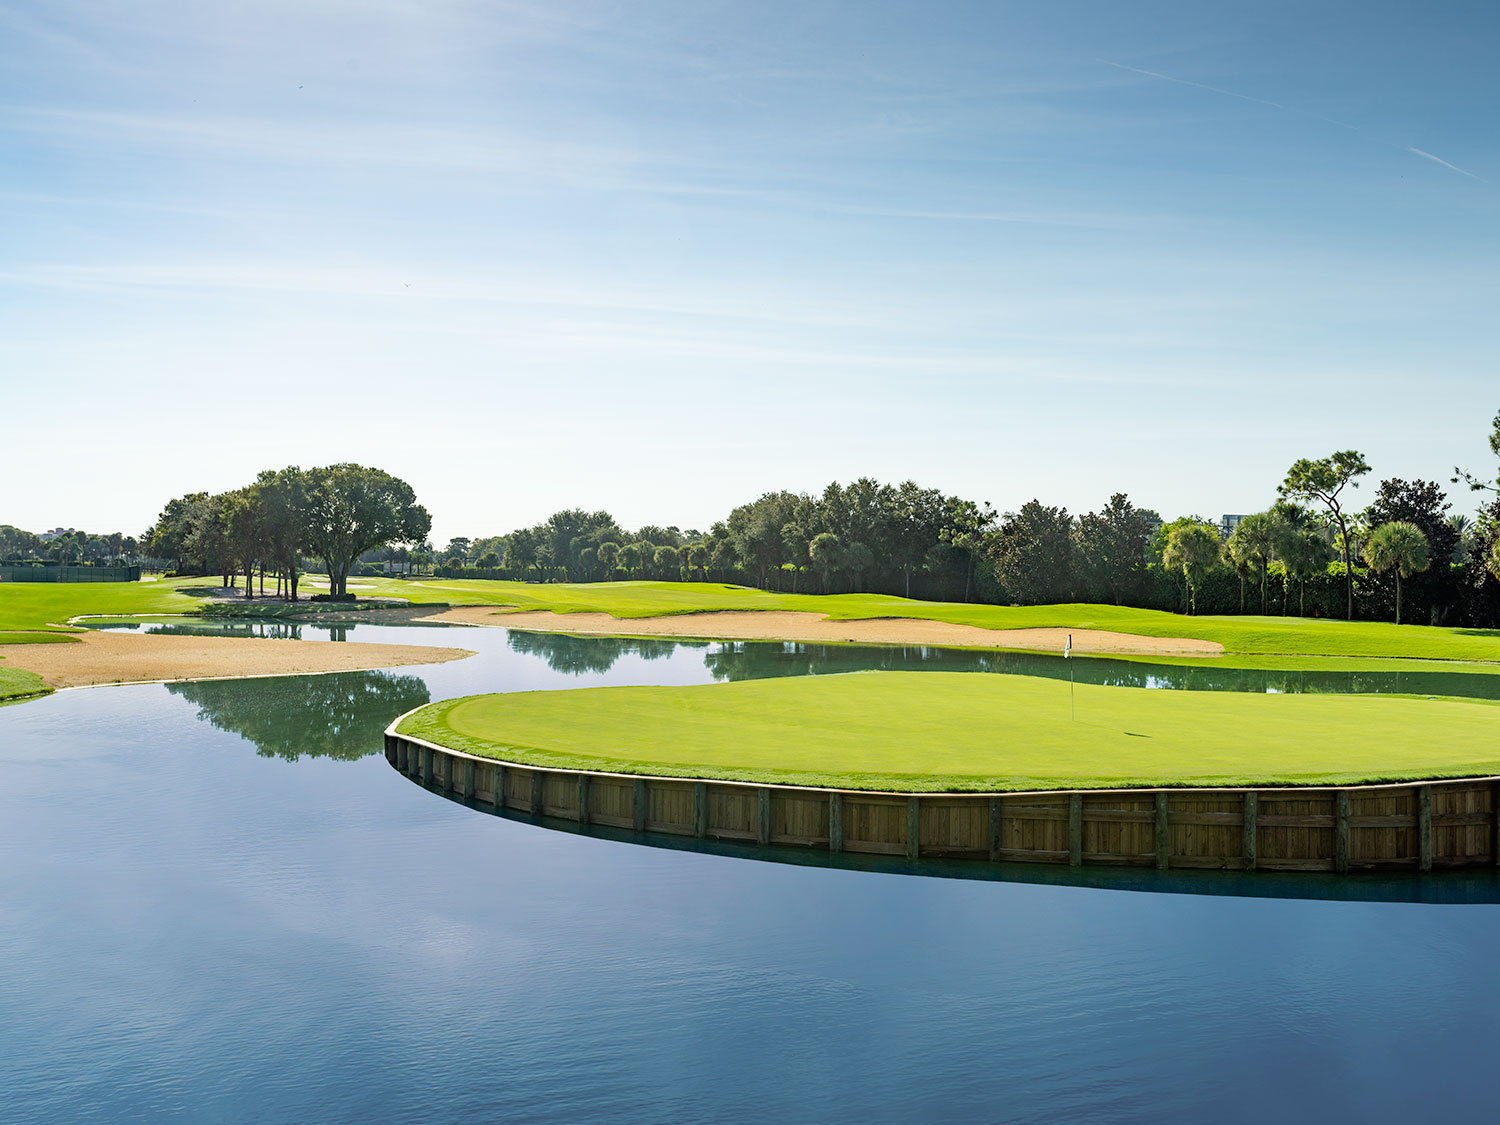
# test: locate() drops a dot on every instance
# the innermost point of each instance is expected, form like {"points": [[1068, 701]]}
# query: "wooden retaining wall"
{"points": [[1422, 826]]}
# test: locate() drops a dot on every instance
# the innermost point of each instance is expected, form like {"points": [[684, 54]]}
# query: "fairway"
{"points": [[37, 606], [1271, 636], [941, 731]]}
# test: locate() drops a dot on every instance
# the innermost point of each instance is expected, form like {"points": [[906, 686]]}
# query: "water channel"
{"points": [[218, 902]]}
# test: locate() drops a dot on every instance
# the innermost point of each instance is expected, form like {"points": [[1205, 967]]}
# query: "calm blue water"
{"points": [[197, 925]]}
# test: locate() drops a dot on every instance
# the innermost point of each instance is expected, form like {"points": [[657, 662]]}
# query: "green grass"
{"points": [[15, 683], [942, 731], [1268, 636], [47, 606]]}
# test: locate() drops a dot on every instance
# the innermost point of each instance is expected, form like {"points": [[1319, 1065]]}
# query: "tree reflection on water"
{"points": [[578, 655], [343, 715]]}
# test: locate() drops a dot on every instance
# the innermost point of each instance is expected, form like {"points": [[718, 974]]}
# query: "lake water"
{"points": [[218, 902]]}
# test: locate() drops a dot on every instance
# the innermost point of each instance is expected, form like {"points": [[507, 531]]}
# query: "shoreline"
{"points": [[105, 658], [814, 628]]}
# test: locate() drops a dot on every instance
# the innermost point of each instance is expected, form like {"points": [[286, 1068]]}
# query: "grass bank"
{"points": [[945, 731], [1268, 636], [15, 683]]}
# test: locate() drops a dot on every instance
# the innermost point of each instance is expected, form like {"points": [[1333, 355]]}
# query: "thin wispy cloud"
{"points": [[1425, 155], [1195, 85], [1440, 160]]}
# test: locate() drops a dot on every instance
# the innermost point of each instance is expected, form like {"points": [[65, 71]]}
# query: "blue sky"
{"points": [[659, 258]]}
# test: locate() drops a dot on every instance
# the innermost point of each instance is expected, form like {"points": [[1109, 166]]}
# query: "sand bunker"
{"points": [[109, 658], [814, 627]]}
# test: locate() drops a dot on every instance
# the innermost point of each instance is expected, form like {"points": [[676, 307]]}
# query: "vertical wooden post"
{"points": [[1252, 803], [538, 792], [700, 809], [583, 798], [499, 786], [1424, 827], [913, 828], [640, 804], [995, 814], [1075, 830], [427, 765], [401, 754], [835, 822], [1163, 836], [469, 778], [763, 815], [1341, 831]]}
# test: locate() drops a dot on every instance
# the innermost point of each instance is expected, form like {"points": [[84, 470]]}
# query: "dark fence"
{"points": [[30, 573]]}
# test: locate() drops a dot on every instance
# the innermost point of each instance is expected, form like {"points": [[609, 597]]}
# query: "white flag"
{"points": [[1068, 650]]}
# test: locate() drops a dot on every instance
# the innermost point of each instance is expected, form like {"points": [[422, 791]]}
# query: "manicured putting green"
{"points": [[938, 731]]}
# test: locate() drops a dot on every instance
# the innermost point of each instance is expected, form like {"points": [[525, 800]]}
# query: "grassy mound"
{"points": [[939, 731]]}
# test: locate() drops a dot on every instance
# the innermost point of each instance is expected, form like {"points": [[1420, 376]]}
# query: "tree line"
{"points": [[68, 547], [1404, 556]]}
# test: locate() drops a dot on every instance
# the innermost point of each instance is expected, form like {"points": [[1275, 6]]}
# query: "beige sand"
{"points": [[111, 658], [788, 626]]}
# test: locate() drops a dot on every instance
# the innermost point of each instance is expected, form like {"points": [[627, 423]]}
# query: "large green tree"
{"points": [[1033, 553], [1324, 481], [353, 509], [1112, 546]]}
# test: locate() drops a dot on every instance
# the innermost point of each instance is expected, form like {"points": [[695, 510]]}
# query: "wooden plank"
{"points": [[1206, 818], [499, 795], [1117, 816], [1030, 812], [1393, 820], [1251, 820], [995, 824], [401, 752], [1289, 820], [913, 828], [538, 792], [1163, 843], [1341, 831], [583, 798], [469, 779], [1424, 827], [1075, 829], [763, 816], [427, 765], [700, 809], [640, 804], [1457, 820], [835, 822]]}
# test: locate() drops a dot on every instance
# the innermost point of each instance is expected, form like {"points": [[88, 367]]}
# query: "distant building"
{"points": [[1228, 524], [48, 536]]}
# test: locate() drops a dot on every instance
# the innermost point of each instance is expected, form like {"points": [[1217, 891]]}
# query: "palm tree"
{"points": [[826, 552], [1398, 546], [609, 557], [1191, 548], [1251, 546]]}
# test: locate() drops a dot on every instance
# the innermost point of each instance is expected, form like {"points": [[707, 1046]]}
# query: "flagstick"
{"points": [[1072, 703]]}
